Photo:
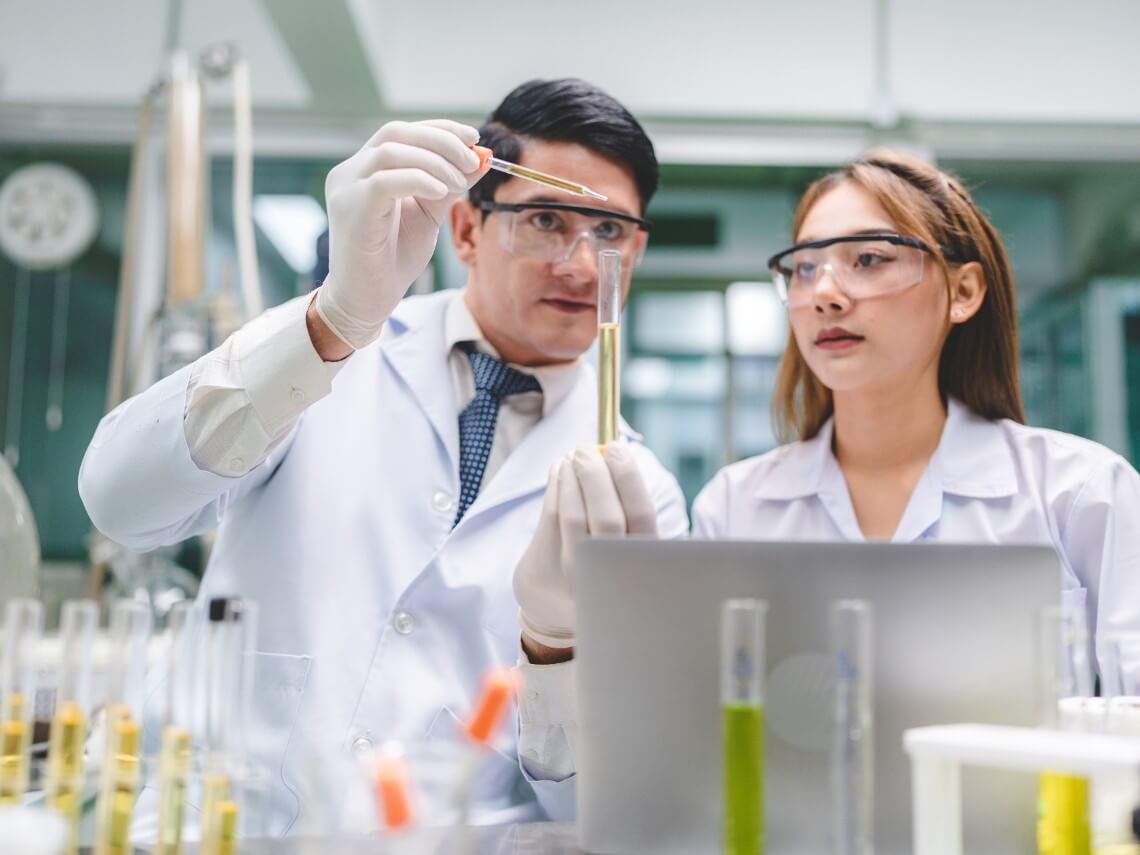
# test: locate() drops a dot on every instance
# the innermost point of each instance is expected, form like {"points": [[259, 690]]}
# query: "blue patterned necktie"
{"points": [[494, 380]]}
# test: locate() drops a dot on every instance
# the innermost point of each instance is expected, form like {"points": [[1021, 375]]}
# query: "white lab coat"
{"points": [[381, 618], [987, 482]]}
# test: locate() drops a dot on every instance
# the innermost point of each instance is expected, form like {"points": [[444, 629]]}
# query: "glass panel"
{"points": [[757, 320], [689, 323]]}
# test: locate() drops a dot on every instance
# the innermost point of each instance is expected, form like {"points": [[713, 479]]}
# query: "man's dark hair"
{"points": [[567, 110]]}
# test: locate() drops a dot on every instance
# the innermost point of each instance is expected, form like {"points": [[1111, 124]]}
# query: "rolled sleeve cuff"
{"points": [[280, 369]]}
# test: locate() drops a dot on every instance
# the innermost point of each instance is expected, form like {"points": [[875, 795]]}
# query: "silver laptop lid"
{"points": [[953, 642]]}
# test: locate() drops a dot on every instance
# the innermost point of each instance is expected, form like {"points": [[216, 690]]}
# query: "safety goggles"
{"points": [[862, 266], [552, 230]]}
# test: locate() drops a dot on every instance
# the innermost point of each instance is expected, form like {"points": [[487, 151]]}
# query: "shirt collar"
{"points": [[972, 460], [460, 326]]}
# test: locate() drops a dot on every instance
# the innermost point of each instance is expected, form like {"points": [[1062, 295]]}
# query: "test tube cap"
{"points": [[498, 687]]}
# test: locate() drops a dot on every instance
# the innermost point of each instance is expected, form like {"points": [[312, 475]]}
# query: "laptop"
{"points": [[953, 642]]}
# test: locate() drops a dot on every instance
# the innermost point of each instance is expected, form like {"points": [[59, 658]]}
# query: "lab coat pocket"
{"points": [[279, 682], [499, 793]]}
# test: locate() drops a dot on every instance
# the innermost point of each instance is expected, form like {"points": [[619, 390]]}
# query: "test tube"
{"points": [[63, 787], [23, 626], [393, 788], [174, 751], [230, 634], [609, 345], [1116, 796], [742, 724], [852, 750], [1063, 676], [126, 673], [499, 686]]}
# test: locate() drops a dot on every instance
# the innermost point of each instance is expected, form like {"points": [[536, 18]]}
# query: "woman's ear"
{"points": [[967, 292]]}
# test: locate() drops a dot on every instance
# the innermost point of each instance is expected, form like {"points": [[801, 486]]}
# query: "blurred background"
{"points": [[1032, 102]]}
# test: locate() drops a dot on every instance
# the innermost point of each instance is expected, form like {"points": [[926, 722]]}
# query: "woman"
{"points": [[898, 391]]}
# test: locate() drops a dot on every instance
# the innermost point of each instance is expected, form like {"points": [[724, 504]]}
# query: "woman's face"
{"points": [[871, 341]]}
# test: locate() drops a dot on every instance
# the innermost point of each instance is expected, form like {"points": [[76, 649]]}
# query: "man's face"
{"points": [[535, 310]]}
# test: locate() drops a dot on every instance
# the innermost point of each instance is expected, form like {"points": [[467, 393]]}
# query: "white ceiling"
{"points": [[721, 80]]}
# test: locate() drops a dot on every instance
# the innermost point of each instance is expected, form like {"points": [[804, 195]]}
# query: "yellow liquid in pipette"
{"points": [[543, 178], [15, 737], [609, 390], [173, 766], [120, 786], [64, 786]]}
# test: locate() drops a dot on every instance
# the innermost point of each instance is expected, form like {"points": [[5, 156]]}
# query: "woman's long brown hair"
{"points": [[978, 365]]}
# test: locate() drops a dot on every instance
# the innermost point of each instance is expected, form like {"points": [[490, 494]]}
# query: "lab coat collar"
{"points": [[971, 460], [414, 343]]}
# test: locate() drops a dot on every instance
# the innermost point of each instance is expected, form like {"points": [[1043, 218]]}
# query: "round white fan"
{"points": [[48, 216]]}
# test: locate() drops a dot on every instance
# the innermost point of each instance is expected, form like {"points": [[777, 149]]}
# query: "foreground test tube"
{"points": [[499, 686], [126, 675], [742, 724], [23, 626], [1064, 676], [852, 750], [63, 787], [609, 345], [174, 752], [229, 637]]}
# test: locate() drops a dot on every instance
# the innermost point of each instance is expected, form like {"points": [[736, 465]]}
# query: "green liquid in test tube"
{"points": [[742, 724]]}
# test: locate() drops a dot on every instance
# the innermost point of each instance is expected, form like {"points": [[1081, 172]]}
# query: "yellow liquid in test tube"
{"points": [[120, 787], [609, 389], [173, 766], [1062, 814], [219, 816], [64, 786], [15, 737]]}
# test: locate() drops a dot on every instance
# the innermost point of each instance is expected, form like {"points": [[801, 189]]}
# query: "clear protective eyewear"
{"points": [[862, 266], [552, 230]]}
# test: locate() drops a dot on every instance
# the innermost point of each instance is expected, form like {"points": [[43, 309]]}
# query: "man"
{"points": [[376, 472]]}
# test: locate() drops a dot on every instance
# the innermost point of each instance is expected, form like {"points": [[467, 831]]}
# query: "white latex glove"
{"points": [[385, 205], [585, 496]]}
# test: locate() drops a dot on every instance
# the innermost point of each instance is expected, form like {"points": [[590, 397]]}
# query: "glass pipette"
{"points": [[499, 165]]}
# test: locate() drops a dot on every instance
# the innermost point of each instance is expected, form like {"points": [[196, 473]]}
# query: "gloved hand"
{"points": [[385, 204], [585, 496]]}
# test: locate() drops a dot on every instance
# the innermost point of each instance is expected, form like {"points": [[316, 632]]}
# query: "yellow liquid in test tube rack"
{"points": [[173, 766], [120, 784], [64, 786], [15, 738], [219, 816]]}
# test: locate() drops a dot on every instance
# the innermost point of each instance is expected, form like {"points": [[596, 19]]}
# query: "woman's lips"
{"points": [[837, 338]]}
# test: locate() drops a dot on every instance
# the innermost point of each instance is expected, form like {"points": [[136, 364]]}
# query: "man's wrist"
{"points": [[326, 343], [540, 654]]}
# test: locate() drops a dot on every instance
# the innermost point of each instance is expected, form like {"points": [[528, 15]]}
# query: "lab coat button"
{"points": [[361, 745], [297, 395], [236, 464], [442, 502], [403, 623]]}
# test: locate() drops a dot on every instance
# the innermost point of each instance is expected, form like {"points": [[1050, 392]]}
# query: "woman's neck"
{"points": [[887, 429]]}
